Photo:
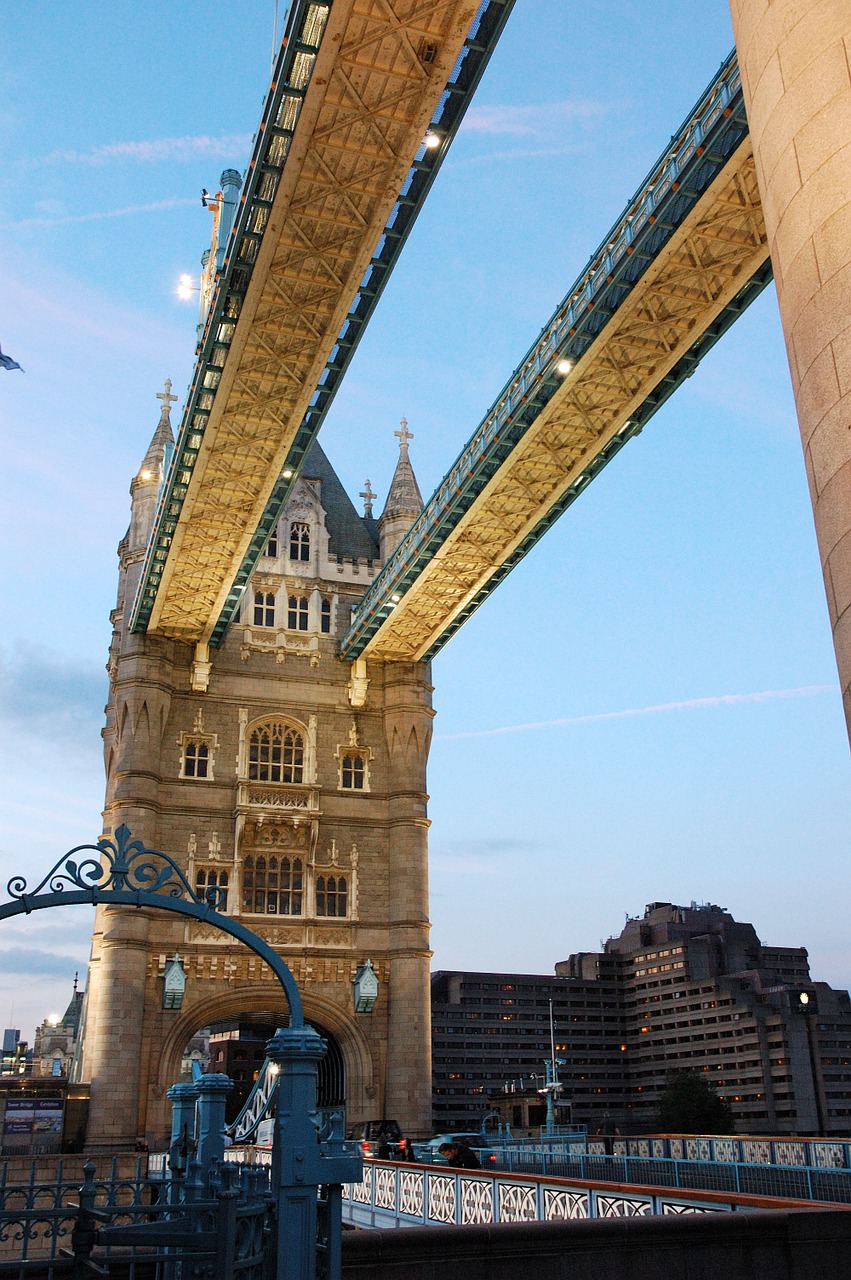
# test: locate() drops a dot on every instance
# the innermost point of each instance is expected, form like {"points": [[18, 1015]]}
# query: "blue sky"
{"points": [[648, 707]]}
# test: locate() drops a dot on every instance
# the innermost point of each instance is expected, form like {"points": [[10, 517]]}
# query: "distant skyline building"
{"points": [[678, 987], [55, 1041]]}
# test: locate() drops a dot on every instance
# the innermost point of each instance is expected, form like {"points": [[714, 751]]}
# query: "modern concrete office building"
{"points": [[678, 987]]}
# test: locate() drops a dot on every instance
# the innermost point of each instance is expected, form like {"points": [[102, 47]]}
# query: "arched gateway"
{"points": [[292, 790]]}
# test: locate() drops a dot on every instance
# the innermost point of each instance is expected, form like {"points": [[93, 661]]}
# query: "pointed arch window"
{"points": [[275, 753], [331, 896], [325, 616], [299, 540], [297, 613], [273, 886], [272, 544]]}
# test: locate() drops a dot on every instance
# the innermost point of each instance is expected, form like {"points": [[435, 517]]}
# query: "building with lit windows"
{"points": [[679, 987]]}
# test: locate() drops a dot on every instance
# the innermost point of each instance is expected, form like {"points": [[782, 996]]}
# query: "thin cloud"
{"points": [[39, 689], [533, 120], [154, 151], [691, 704], [526, 153], [46, 963], [479, 857], [154, 207]]}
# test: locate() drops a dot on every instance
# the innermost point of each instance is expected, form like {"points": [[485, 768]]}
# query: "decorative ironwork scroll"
{"points": [[123, 872], [121, 864]]}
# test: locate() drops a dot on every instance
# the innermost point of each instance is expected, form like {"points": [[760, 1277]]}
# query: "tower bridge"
{"points": [[236, 738], [360, 113], [687, 256]]}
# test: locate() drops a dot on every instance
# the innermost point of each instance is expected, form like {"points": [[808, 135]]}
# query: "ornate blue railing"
{"points": [[403, 1195]]}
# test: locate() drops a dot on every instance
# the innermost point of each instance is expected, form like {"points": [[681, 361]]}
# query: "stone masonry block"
{"points": [[825, 134], [834, 237], [830, 442], [797, 47], [818, 391], [801, 276], [823, 320], [838, 577], [801, 101], [833, 511], [800, 211], [778, 194]]}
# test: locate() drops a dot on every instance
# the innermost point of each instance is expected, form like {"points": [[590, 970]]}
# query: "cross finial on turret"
{"points": [[368, 498], [167, 398], [404, 436]]}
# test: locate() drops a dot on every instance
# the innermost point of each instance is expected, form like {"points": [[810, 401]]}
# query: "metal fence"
{"points": [[816, 1153], [737, 1177], [402, 1195], [37, 1218], [133, 1225]]}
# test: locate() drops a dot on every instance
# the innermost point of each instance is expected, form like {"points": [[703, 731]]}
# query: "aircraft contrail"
{"points": [[691, 704]]}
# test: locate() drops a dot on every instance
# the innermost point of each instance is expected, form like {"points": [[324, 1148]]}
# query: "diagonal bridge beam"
{"points": [[688, 255]]}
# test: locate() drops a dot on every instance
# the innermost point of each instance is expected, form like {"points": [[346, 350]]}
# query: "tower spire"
{"points": [[404, 500], [168, 400], [155, 461], [368, 499]]}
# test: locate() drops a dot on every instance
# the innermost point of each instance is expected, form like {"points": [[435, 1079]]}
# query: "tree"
{"points": [[689, 1104]]}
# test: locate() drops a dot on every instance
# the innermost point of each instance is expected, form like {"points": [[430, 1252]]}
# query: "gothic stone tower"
{"points": [[303, 797]]}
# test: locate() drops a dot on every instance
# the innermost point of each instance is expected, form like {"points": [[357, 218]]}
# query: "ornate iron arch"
{"points": [[125, 873]]}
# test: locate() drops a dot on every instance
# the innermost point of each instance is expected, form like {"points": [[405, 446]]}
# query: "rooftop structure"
{"points": [[678, 987]]}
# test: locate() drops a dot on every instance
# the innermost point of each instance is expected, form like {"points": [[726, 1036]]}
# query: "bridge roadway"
{"points": [[687, 256], [338, 173]]}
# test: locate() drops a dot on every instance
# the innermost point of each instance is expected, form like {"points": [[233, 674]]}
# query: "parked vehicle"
{"points": [[379, 1139]]}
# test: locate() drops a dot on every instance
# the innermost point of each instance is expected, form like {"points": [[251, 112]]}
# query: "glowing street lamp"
{"points": [[186, 286]]}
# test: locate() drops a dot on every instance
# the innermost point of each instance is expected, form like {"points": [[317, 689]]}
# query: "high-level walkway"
{"points": [[363, 104], [340, 168], [688, 254]]}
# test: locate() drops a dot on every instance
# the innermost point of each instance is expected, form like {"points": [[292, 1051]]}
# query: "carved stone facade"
{"points": [[309, 812]]}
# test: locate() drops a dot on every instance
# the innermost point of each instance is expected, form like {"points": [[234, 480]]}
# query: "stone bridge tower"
{"points": [[295, 788]]}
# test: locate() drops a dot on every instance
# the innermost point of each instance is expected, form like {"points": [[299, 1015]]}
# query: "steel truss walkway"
{"points": [[338, 174], [685, 259]]}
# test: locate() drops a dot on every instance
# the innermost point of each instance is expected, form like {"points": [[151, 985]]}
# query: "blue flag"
{"points": [[6, 362]]}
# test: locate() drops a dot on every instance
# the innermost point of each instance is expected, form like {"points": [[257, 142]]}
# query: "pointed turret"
{"points": [[145, 485], [404, 500]]}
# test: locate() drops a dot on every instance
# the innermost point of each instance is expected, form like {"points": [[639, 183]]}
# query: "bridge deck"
{"points": [[688, 254], [338, 170]]}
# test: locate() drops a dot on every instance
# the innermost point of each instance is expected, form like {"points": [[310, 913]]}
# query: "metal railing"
{"points": [[798, 1182], [38, 1217], [401, 1195]]}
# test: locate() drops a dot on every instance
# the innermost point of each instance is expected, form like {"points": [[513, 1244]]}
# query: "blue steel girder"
{"points": [[290, 83], [713, 133]]}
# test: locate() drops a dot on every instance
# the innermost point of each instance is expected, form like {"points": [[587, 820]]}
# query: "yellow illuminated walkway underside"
{"points": [[705, 264], [379, 74]]}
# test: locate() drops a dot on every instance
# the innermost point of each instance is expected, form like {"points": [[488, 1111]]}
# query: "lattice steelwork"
{"points": [[356, 87], [689, 253]]}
